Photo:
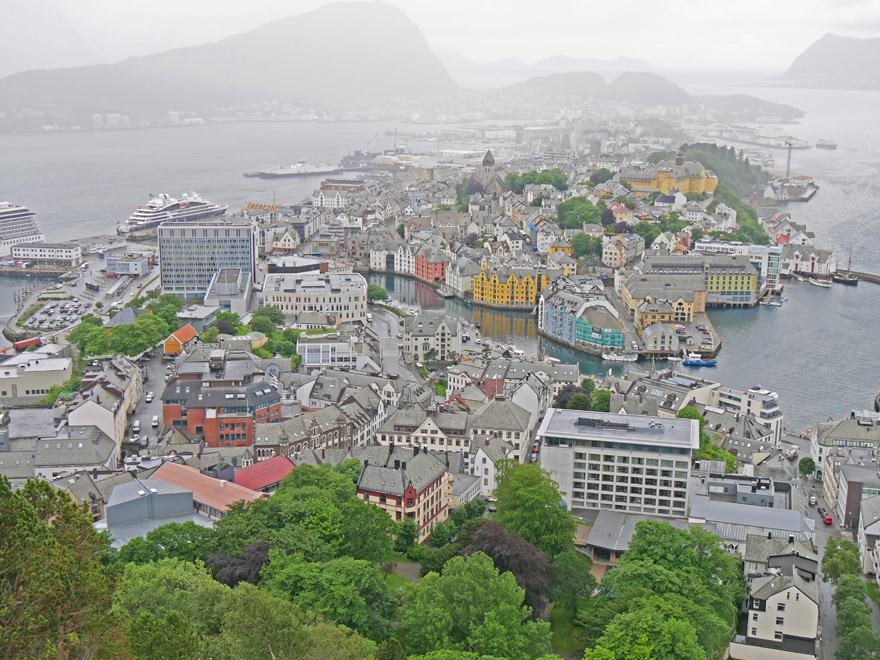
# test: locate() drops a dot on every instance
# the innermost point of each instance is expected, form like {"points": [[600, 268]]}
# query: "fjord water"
{"points": [[819, 351]]}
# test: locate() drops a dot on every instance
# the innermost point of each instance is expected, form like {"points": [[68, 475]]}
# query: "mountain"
{"points": [[342, 54], [837, 62], [584, 84], [610, 68], [647, 88]]}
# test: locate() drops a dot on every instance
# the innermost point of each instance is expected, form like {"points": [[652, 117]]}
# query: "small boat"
{"points": [[697, 360], [799, 278], [846, 278], [773, 303], [625, 356], [825, 284], [674, 359]]}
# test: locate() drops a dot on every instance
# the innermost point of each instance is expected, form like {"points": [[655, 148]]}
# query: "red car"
{"points": [[828, 520]]}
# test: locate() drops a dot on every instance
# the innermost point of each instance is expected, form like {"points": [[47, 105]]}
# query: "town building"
{"points": [[408, 483], [191, 253], [767, 259], [133, 264], [60, 255], [583, 319], [629, 463], [685, 294], [199, 317], [338, 350], [868, 537], [28, 376], [431, 264], [617, 251], [688, 177], [729, 280], [230, 289], [211, 497], [73, 449], [264, 476], [342, 294], [178, 340], [839, 438], [431, 336], [509, 285]]}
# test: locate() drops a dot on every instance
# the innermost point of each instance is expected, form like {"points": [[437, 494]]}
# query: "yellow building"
{"points": [[685, 294], [690, 177], [506, 285], [560, 246]]}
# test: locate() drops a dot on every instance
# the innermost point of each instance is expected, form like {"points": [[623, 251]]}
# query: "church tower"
{"points": [[488, 167]]}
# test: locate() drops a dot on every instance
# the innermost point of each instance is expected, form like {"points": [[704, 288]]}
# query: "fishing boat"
{"points": [[815, 281], [624, 356], [697, 360], [846, 278]]}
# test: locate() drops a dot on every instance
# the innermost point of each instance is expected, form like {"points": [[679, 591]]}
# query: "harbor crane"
{"points": [[370, 144], [788, 162]]}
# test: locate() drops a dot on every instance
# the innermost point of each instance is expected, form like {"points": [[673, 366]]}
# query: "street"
{"points": [[154, 381]]}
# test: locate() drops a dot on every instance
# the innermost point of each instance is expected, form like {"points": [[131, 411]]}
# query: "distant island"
{"points": [[837, 62]]}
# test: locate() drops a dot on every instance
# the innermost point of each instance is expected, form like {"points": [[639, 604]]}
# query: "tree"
{"points": [[841, 557], [407, 534], [648, 231], [601, 400], [588, 384], [232, 570], [209, 336], [601, 175], [806, 466], [511, 552], [185, 541], [567, 393], [621, 227], [434, 560], [584, 245], [375, 292], [579, 401], [272, 313], [348, 591], [443, 533], [696, 234], [858, 644], [529, 504], [848, 586], [367, 530], [263, 324], [227, 323], [573, 213], [571, 580], [163, 634], [54, 594], [470, 607]]}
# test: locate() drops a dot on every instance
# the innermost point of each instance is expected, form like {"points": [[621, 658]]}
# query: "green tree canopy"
{"points": [[529, 504], [573, 213], [470, 607], [272, 313], [376, 292], [601, 175], [571, 580], [186, 541], [806, 466], [841, 557], [54, 594], [647, 230], [601, 400], [554, 177], [584, 245]]}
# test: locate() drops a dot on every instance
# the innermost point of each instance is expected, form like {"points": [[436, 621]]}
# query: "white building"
{"points": [[31, 375], [405, 260], [229, 289], [329, 199], [629, 463], [431, 336], [191, 253], [55, 254], [781, 607], [484, 454], [342, 294], [336, 350]]}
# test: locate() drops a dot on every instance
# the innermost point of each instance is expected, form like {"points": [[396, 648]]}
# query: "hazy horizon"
{"points": [[682, 34]]}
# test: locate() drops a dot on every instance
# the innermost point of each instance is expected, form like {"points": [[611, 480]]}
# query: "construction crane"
{"points": [[370, 144], [788, 163]]}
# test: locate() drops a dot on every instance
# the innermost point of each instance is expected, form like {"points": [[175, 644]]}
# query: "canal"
{"points": [[819, 351]]}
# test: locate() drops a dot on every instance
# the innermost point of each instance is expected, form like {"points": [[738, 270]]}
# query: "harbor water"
{"points": [[819, 351]]}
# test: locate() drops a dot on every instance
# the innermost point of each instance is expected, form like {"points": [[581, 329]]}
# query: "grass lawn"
{"points": [[440, 389], [562, 631], [873, 592], [423, 371], [395, 581]]}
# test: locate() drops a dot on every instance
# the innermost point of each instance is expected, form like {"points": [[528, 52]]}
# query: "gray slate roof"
{"points": [[416, 468]]}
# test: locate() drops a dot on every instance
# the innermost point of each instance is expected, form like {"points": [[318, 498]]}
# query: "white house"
{"points": [[484, 453]]}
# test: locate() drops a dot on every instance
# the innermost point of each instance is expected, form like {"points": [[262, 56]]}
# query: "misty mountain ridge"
{"points": [[837, 62], [327, 57]]}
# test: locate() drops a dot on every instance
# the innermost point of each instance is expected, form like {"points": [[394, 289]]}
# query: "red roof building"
{"points": [[211, 497], [265, 475], [178, 339]]}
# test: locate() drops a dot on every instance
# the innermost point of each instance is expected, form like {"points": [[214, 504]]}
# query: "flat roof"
{"points": [[610, 427]]}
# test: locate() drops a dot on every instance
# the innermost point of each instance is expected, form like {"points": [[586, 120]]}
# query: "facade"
{"points": [[430, 264], [230, 289], [783, 609], [431, 429], [48, 254], [763, 404], [30, 375], [199, 317], [617, 251], [191, 253], [73, 449], [629, 463], [342, 294], [767, 259], [688, 177], [132, 264], [582, 319], [178, 340], [337, 351], [460, 275], [431, 336], [729, 280], [660, 338], [506, 285], [869, 537], [833, 441], [686, 294], [409, 483]]}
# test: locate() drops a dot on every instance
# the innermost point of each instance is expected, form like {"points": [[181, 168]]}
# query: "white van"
{"points": [[136, 426], [155, 421]]}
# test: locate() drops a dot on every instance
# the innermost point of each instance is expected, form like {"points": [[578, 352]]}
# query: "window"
{"points": [[754, 631], [780, 607], [755, 618], [777, 635], [780, 621]]}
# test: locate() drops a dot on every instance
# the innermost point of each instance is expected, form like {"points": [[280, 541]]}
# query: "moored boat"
{"points": [[815, 281], [697, 360]]}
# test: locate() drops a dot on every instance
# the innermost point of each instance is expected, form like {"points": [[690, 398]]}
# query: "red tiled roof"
{"points": [[216, 493], [185, 333], [265, 473]]}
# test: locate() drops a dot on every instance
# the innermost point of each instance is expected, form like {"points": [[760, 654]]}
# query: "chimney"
{"points": [[396, 464], [769, 535], [679, 159]]}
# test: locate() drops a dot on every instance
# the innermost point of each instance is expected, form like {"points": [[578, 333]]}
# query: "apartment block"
{"points": [[629, 463], [341, 294]]}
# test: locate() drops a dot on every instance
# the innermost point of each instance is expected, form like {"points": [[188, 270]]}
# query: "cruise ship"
{"points": [[146, 220], [17, 225], [301, 168]]}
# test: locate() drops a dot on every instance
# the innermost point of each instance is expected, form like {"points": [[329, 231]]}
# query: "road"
{"points": [[154, 381], [385, 325]]}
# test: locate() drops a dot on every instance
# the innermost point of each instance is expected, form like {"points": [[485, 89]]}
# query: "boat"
{"points": [[301, 168], [17, 225], [825, 284], [846, 278], [799, 278], [697, 360], [624, 356], [773, 303], [163, 208], [674, 358], [826, 144]]}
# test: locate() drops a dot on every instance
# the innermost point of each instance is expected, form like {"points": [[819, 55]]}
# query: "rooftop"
{"points": [[662, 431]]}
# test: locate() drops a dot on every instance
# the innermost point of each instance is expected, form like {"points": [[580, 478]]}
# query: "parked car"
{"points": [[828, 520], [813, 500], [821, 511], [149, 397]]}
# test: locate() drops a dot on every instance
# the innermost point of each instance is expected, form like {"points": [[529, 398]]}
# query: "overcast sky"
{"points": [[739, 34]]}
